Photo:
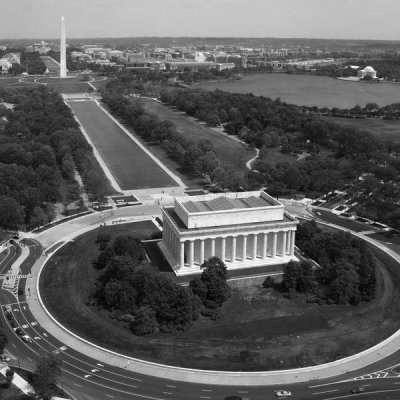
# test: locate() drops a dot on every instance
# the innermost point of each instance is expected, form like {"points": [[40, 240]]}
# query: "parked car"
{"points": [[13, 324], [283, 393], [359, 389], [9, 315], [4, 358], [26, 338]]}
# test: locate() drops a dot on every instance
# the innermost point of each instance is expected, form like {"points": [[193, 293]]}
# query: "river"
{"points": [[311, 90]]}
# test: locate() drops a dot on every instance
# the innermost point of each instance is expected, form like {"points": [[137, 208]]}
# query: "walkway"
{"points": [[355, 362]]}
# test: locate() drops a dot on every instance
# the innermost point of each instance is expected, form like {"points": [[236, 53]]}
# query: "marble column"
{"points": [[273, 252], [265, 243], [292, 240], [254, 247], [212, 247], [233, 254], [191, 254], [181, 254], [244, 248], [283, 247], [223, 240], [201, 251], [288, 241]]}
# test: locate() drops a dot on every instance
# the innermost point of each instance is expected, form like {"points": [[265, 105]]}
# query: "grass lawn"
{"points": [[229, 151], [258, 328], [382, 128], [342, 221], [66, 85], [8, 81], [274, 155], [129, 164]]}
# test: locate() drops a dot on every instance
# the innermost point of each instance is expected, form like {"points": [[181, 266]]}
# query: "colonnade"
{"points": [[241, 248]]}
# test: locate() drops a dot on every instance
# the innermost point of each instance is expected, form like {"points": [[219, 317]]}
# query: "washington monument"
{"points": [[63, 57]]}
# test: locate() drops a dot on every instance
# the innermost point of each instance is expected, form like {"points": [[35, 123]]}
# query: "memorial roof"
{"points": [[182, 227], [226, 203]]}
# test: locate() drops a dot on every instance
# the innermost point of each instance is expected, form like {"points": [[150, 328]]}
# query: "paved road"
{"points": [[86, 378]]}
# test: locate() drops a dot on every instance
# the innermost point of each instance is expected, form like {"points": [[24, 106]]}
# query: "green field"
{"points": [[129, 164], [382, 128], [258, 328], [229, 151], [66, 85]]}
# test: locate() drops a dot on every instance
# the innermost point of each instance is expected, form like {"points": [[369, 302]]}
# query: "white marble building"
{"points": [[245, 230]]}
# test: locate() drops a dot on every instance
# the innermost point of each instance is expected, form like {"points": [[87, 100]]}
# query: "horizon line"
{"points": [[202, 37]]}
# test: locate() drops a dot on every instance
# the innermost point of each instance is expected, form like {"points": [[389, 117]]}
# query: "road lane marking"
{"points": [[12, 344], [205, 397], [327, 391], [77, 385], [30, 359], [109, 395], [369, 393], [167, 393], [171, 386], [206, 390], [243, 391]]}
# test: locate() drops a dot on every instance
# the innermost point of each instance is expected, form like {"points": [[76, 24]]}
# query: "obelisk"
{"points": [[63, 56]]}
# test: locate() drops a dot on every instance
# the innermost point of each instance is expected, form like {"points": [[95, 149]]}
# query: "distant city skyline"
{"points": [[342, 19]]}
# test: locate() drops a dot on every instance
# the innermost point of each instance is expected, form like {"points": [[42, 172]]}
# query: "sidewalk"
{"points": [[12, 278], [355, 362], [18, 381]]}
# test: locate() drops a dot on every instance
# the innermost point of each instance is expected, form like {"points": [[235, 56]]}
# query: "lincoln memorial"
{"points": [[245, 230]]}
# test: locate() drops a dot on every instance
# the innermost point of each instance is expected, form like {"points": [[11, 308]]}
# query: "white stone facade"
{"points": [[245, 230]]}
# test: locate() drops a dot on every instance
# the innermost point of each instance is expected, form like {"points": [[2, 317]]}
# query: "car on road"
{"points": [[359, 389], [26, 338], [4, 358], [283, 393], [19, 331]]}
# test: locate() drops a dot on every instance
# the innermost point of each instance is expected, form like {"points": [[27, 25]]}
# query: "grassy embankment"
{"points": [[258, 328]]}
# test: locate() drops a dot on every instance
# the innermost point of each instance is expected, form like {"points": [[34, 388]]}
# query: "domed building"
{"points": [[367, 71]]}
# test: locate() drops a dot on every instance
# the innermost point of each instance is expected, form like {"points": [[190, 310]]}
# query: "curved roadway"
{"points": [[85, 377]]}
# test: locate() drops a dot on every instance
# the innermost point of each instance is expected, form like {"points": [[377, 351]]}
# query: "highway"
{"points": [[86, 378]]}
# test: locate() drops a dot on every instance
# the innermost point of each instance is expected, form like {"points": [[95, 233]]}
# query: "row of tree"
{"points": [[31, 63], [347, 268], [41, 147], [148, 300]]}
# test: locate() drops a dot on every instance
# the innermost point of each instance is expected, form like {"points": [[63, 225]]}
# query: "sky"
{"points": [[337, 19]]}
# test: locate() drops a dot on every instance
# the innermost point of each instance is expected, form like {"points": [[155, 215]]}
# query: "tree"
{"points": [[38, 217], [104, 258], [145, 322], [44, 378], [11, 213], [3, 341], [298, 276], [345, 288], [214, 277]]}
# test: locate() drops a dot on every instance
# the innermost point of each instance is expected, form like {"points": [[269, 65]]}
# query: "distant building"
{"points": [[367, 71], [5, 65], [181, 66], [245, 230]]}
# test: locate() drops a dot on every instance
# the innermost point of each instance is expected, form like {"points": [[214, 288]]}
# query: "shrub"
{"points": [[102, 246], [103, 237], [268, 282], [145, 322]]}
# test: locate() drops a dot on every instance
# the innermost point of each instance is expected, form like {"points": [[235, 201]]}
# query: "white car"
{"points": [[4, 358], [283, 393], [26, 338]]}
